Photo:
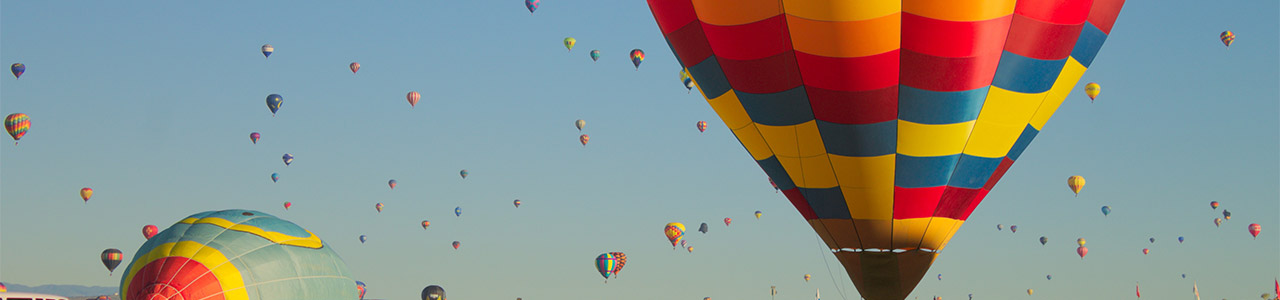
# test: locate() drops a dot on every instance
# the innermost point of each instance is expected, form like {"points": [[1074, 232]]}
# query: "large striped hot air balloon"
{"points": [[885, 122], [17, 125], [236, 254], [1227, 37], [605, 264]]}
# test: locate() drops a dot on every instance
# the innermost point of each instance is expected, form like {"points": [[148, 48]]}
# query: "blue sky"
{"points": [[150, 104]]}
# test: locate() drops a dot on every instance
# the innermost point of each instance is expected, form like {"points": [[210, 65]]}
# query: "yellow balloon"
{"points": [[1080, 241], [1075, 183], [1092, 89], [1030, 291]]}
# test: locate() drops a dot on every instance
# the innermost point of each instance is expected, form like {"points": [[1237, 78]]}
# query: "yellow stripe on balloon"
{"points": [[751, 139], [809, 172], [1002, 119], [853, 10], [950, 233], [875, 234], [800, 140], [959, 10], [939, 232], [923, 140], [1067, 81], [858, 38], [837, 233], [738, 12], [279, 238], [867, 185], [908, 232], [229, 278], [730, 110]]}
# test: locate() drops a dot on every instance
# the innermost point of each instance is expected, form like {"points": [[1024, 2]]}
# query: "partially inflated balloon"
{"points": [[273, 103], [1227, 37], [595, 55], [253, 137], [149, 231], [1092, 89], [637, 56], [85, 193], [413, 98], [111, 258], [17, 69], [569, 42], [267, 50], [236, 254], [17, 125], [674, 232], [355, 66], [435, 292], [1076, 183]]}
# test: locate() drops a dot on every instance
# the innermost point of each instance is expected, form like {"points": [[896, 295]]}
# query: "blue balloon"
{"points": [[273, 102], [458, 211], [363, 238], [275, 177], [1106, 210], [1179, 240]]}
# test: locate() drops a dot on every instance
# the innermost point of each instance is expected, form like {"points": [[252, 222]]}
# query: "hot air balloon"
{"points": [[674, 231], [584, 138], [111, 258], [637, 56], [690, 249], [1082, 251], [457, 211], [363, 238], [902, 167], [1013, 228], [684, 243], [1146, 251], [85, 193], [758, 213], [3, 288], [1030, 291], [531, 5], [516, 203], [425, 224], [378, 207], [287, 205], [727, 221], [806, 277], [267, 50], [456, 244], [622, 262], [17, 69], [435, 292], [702, 126], [149, 231], [253, 137], [463, 173], [1255, 229], [355, 66], [1080, 241], [1153, 240], [275, 177], [703, 228], [568, 43], [360, 289], [1092, 90], [288, 159], [1227, 37], [939, 277], [1044, 240], [1076, 183], [392, 183], [273, 103], [604, 264], [1226, 214], [1214, 205], [1184, 275], [1106, 210], [1217, 222], [580, 123], [1137, 290], [999, 227], [17, 124], [595, 55], [1180, 240], [413, 98], [686, 80], [1048, 277]]}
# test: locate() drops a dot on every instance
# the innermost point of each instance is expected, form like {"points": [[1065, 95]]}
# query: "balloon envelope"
{"points": [[595, 55], [17, 125], [569, 42], [355, 66], [149, 231], [1044, 240], [85, 193], [1106, 210], [1092, 89], [273, 102], [1227, 37], [605, 263], [674, 232], [703, 228], [433, 292], [392, 183], [232, 254], [579, 123], [253, 137], [1076, 183], [111, 258], [1255, 229], [637, 56], [622, 262], [17, 69], [413, 98], [532, 5], [275, 177], [267, 50]]}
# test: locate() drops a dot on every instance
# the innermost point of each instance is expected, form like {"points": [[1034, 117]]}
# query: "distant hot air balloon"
{"points": [[360, 289], [686, 80], [425, 224], [939, 277], [355, 66], [1106, 210], [690, 249], [253, 137], [1255, 229], [1092, 90], [584, 138], [1184, 275], [674, 231], [111, 258], [3, 288], [149, 231], [378, 207], [532, 5], [456, 244], [758, 213], [1180, 240], [457, 211], [287, 205], [363, 238], [17, 125], [288, 159], [435, 292], [1137, 290], [1044, 240], [1227, 37], [580, 123], [568, 43], [637, 56], [17, 69], [1048, 277], [702, 126], [1226, 214], [727, 221], [1214, 205], [85, 193], [267, 50], [516, 203], [1013, 228], [806, 277], [1080, 241], [273, 103], [275, 177], [1146, 251], [703, 228], [1217, 222], [999, 227], [595, 55], [1153, 240], [604, 264], [413, 98], [463, 173], [622, 262], [392, 183], [1076, 183], [684, 243], [1082, 251], [1030, 291]]}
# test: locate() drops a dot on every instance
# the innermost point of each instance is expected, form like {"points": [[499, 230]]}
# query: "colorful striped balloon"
{"points": [[569, 42], [236, 255], [702, 126], [1227, 37], [17, 69], [622, 262], [17, 125], [413, 98], [605, 264], [1076, 183], [637, 56], [267, 50], [111, 258], [532, 5]]}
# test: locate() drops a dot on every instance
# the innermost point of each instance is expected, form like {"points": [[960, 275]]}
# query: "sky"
{"points": [[150, 104]]}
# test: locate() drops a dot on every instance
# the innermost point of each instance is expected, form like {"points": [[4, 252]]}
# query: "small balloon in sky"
{"points": [[355, 66], [253, 137], [595, 55], [267, 50], [413, 98], [17, 69], [569, 42], [532, 5], [637, 56]]}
